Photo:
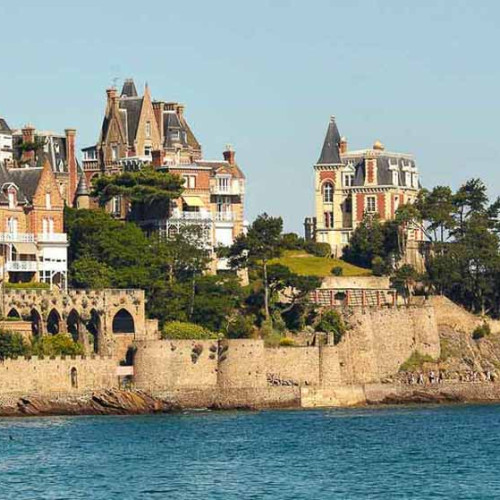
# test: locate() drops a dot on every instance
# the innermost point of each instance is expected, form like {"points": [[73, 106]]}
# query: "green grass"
{"points": [[303, 263]]}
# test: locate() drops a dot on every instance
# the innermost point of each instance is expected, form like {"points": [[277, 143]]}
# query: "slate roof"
{"points": [[82, 188], [26, 179], [330, 151], [132, 107], [4, 128], [384, 172], [222, 167], [128, 88]]}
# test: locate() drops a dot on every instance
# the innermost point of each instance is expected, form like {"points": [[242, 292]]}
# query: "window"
{"points": [[223, 204], [174, 136], [45, 226], [12, 225], [148, 129], [48, 201], [344, 238], [114, 152], [147, 151], [328, 192], [348, 180], [223, 184], [414, 180], [12, 198], [395, 177], [116, 205], [396, 203], [370, 204], [328, 219], [51, 225], [189, 181], [348, 205], [407, 179]]}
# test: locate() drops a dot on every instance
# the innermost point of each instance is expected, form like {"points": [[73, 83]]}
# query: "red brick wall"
{"points": [[370, 171], [381, 205], [360, 206], [323, 176]]}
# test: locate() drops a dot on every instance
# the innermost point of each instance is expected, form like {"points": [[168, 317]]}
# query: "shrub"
{"points": [[57, 345], [26, 286], [481, 331], [185, 330], [292, 241], [379, 267], [241, 327], [332, 322], [287, 342], [12, 344], [279, 324], [318, 249], [415, 362], [337, 271]]}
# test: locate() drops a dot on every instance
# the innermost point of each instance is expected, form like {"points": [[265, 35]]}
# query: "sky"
{"points": [[265, 76]]}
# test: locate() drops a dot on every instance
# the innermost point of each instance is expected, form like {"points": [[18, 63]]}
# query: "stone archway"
{"points": [[94, 327], [36, 323], [123, 322], [74, 325], [13, 313], [54, 322]]}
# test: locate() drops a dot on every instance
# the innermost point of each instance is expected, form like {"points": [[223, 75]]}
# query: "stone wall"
{"points": [[54, 375], [359, 282]]}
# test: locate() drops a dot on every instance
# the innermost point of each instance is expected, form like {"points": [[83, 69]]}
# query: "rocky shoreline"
{"points": [[133, 402]]}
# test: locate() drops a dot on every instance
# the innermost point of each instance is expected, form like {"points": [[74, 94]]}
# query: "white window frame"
{"points": [[368, 202], [329, 198]]}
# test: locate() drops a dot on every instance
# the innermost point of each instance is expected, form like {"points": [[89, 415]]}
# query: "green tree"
{"points": [[331, 322], [256, 248], [57, 345], [12, 345], [143, 187], [367, 242], [404, 280]]}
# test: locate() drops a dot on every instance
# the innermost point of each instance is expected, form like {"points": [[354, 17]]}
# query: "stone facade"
{"points": [[350, 184]]}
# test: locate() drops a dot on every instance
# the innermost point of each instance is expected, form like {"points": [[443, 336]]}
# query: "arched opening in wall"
{"points": [[340, 298], [94, 328], [73, 323], [123, 322], [130, 356], [36, 323], [74, 378], [54, 322], [14, 314]]}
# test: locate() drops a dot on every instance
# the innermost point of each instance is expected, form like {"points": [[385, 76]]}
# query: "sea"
{"points": [[429, 452]]}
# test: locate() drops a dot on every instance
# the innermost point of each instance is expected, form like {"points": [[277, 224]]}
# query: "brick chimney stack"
{"points": [[28, 138], [157, 158], [229, 154], [71, 162], [343, 145], [180, 110]]}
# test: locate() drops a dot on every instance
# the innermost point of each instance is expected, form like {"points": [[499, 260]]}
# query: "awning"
{"points": [[193, 201], [25, 248]]}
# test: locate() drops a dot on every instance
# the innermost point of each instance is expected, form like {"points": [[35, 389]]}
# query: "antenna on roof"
{"points": [[115, 81]]}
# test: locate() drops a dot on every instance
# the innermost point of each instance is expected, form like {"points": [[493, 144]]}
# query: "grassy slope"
{"points": [[303, 263]]}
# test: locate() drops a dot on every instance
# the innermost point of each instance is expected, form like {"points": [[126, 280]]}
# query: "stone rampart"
{"points": [[70, 374]]}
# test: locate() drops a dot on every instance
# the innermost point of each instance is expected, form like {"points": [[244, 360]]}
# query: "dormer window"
{"points": [[12, 198], [348, 180], [395, 178], [174, 136], [408, 179], [148, 129], [10, 191]]}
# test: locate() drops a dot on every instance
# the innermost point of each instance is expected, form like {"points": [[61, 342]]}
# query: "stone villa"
{"points": [[136, 131], [349, 184]]}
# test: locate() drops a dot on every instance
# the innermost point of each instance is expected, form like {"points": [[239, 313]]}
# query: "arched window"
{"points": [[123, 322], [74, 378], [14, 314], [73, 324], [327, 192], [54, 322]]}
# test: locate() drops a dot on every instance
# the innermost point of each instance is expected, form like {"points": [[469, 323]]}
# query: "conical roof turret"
{"points": [[330, 153]]}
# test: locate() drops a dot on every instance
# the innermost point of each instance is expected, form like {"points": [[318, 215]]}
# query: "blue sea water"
{"points": [[376, 453]]}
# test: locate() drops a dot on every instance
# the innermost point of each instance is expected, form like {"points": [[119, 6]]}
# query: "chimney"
{"points": [[112, 94], [343, 145], [180, 110], [158, 107], [229, 154], [28, 138], [157, 158], [71, 162]]}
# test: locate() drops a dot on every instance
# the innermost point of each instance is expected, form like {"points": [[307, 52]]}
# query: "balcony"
{"points": [[52, 237], [232, 189], [21, 265], [191, 215], [32, 238], [15, 237], [224, 216]]}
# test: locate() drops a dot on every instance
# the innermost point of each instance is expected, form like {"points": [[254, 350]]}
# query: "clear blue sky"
{"points": [[423, 77]]}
